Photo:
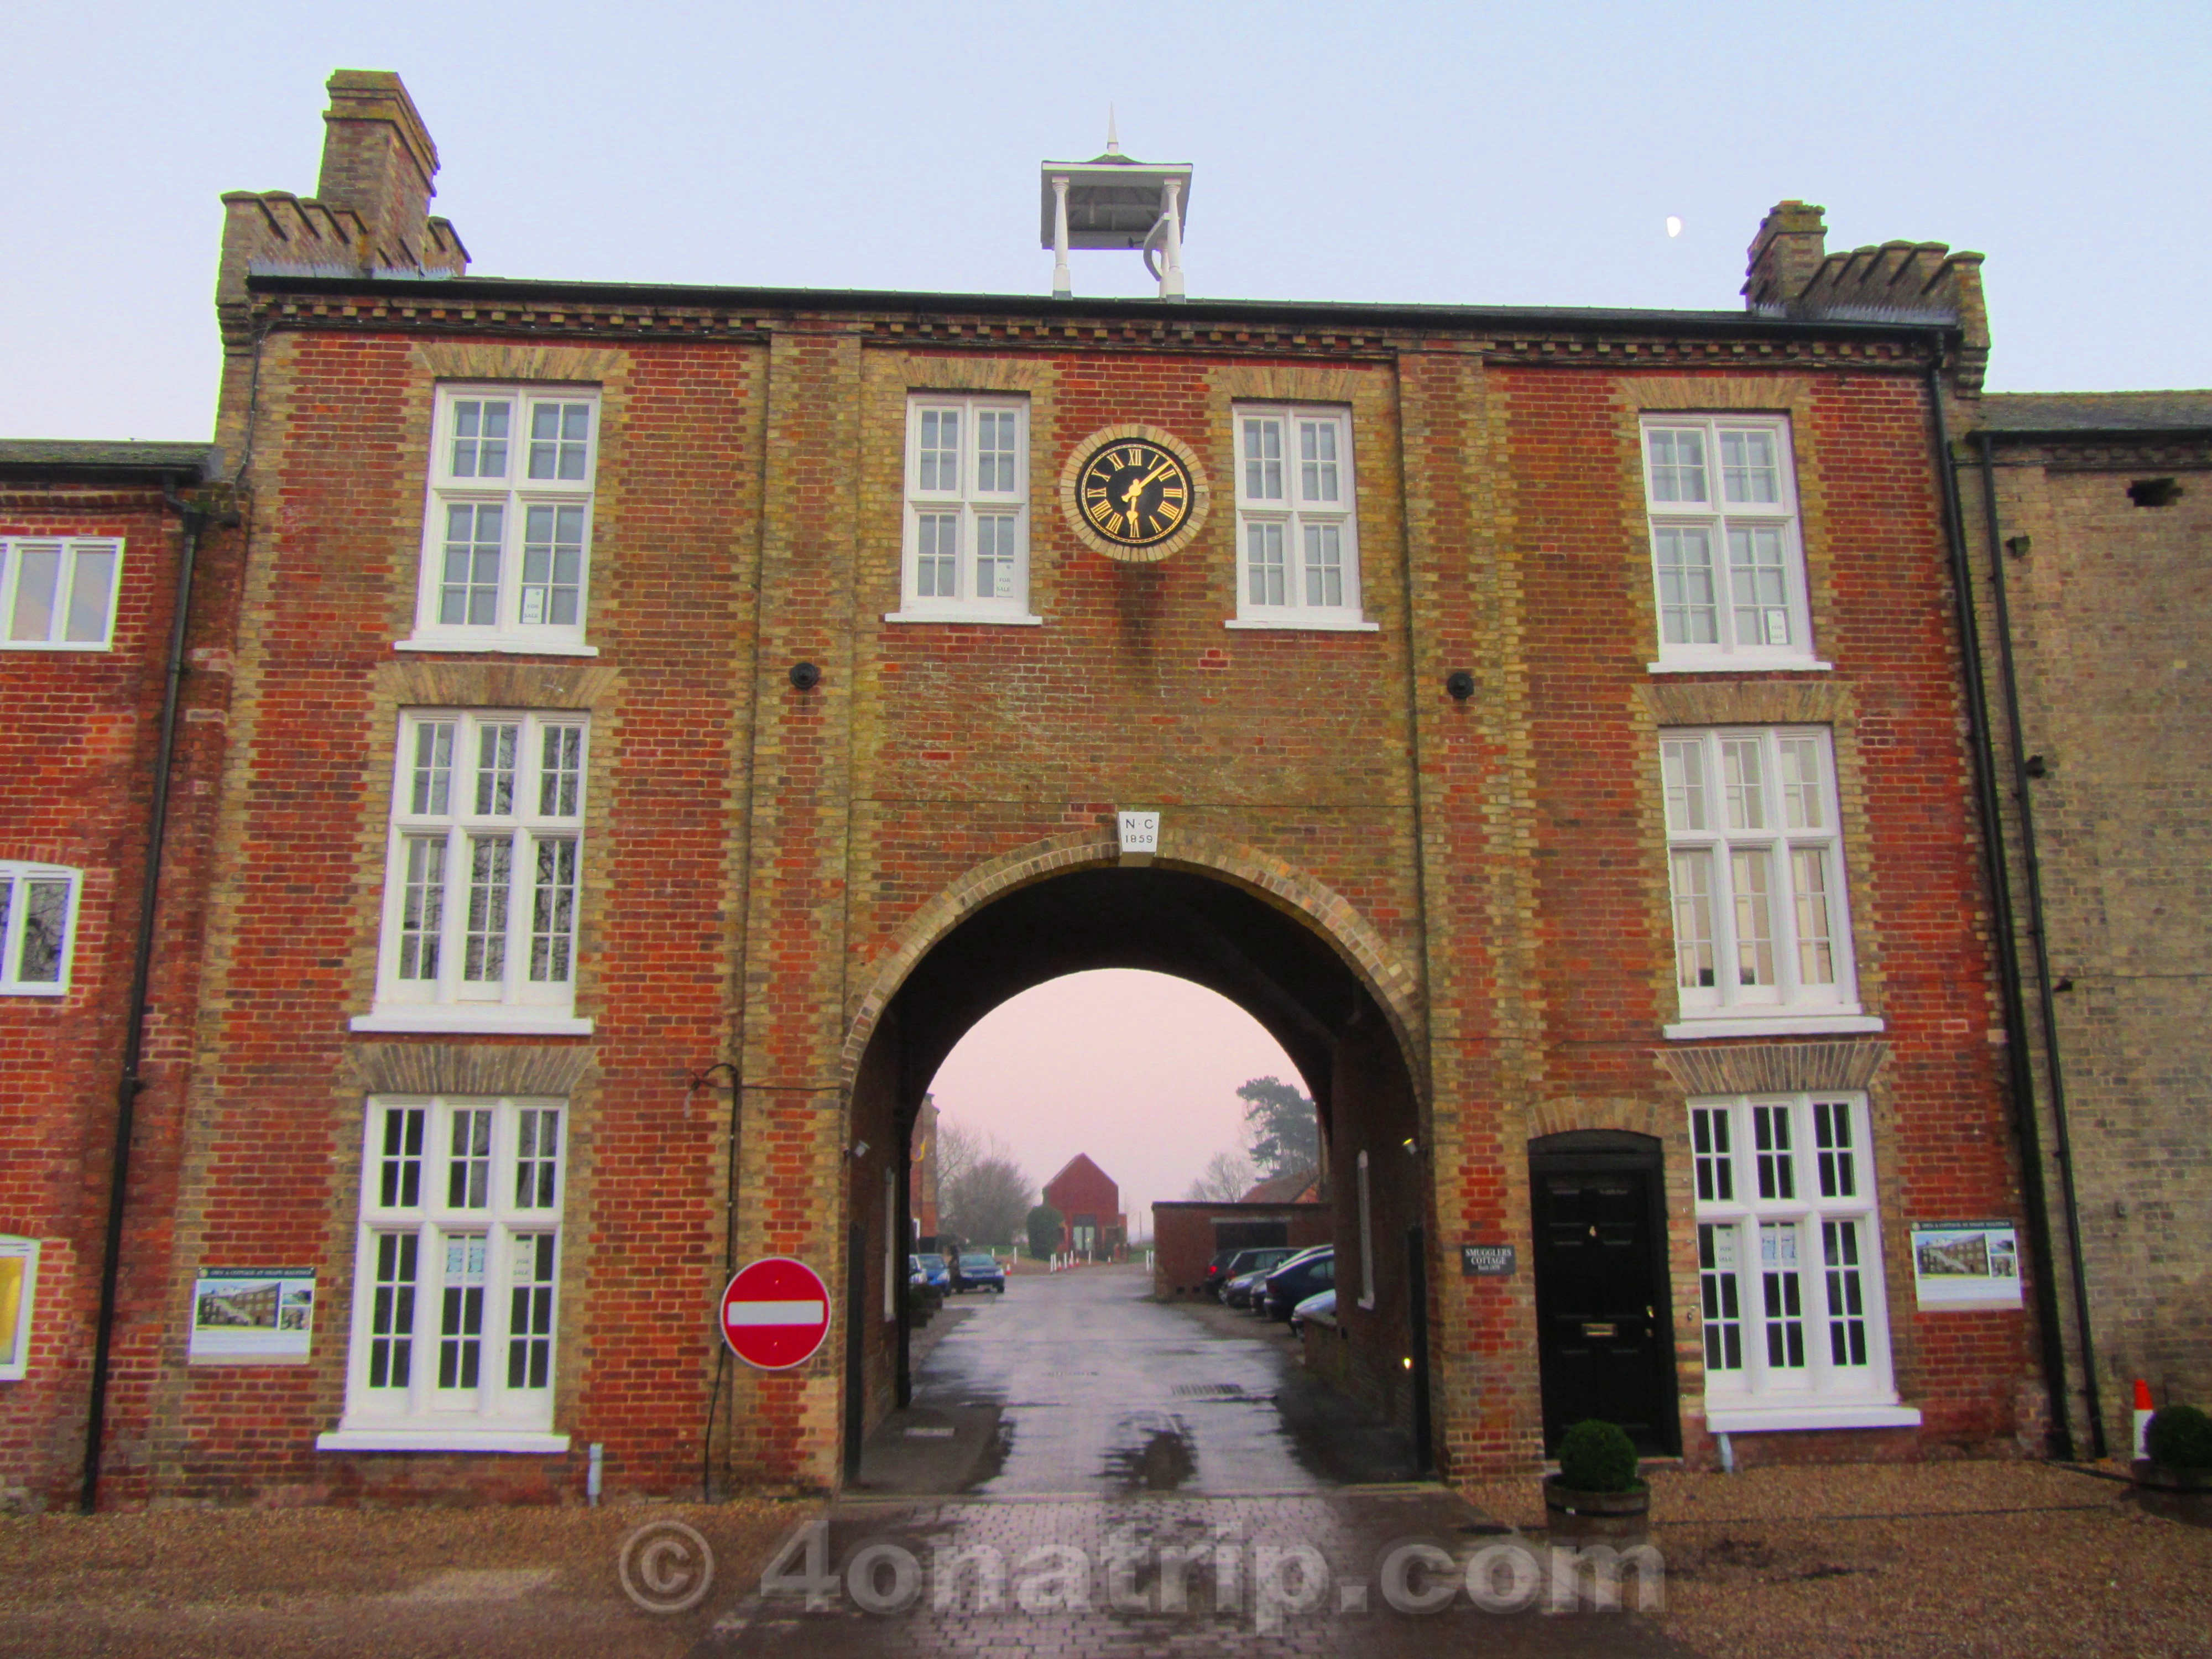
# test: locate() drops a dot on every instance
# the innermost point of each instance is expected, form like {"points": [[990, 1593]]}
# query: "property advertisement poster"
{"points": [[1965, 1264], [253, 1315]]}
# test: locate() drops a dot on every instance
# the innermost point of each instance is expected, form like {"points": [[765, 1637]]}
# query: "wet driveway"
{"points": [[1079, 1384]]}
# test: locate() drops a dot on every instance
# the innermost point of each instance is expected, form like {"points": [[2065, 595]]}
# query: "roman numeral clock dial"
{"points": [[1135, 494]]}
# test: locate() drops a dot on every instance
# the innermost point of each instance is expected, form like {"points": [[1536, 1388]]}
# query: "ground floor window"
{"points": [[19, 1283], [456, 1275], [1789, 1283]]}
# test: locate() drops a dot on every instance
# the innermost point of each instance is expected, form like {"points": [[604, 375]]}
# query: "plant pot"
{"points": [[2176, 1494], [1595, 1517]]}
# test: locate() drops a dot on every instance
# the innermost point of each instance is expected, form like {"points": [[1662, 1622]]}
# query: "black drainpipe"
{"points": [[134, 1042], [2021, 1080], [2062, 1138]]}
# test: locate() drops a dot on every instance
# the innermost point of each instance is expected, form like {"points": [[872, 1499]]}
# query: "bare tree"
{"points": [[1226, 1178], [983, 1194], [988, 1203]]}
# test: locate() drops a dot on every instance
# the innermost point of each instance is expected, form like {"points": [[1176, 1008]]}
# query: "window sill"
{"points": [[1307, 624], [441, 1440], [36, 991], [64, 646], [991, 618], [490, 1019], [504, 645], [1733, 664], [1760, 1419], [1785, 1025]]}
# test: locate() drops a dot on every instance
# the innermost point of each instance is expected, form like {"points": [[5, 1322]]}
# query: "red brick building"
{"points": [[666, 720], [110, 753], [1089, 1201]]}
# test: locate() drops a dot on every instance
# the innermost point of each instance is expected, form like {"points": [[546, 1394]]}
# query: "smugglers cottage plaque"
{"points": [[1134, 493], [1486, 1261]]}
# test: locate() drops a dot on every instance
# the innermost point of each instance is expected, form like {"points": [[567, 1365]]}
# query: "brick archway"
{"points": [[1331, 917]]}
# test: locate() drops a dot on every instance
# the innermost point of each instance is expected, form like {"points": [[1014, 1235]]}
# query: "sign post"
{"points": [[775, 1313]]}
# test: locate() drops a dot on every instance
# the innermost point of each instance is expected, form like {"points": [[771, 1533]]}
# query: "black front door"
{"points": [[1604, 1330]]}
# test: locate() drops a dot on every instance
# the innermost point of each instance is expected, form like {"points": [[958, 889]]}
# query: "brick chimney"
{"points": [[371, 213], [1792, 240], [379, 162]]}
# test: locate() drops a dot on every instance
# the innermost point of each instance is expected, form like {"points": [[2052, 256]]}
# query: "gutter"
{"points": [[194, 518], [2019, 1079], [2062, 1147]]}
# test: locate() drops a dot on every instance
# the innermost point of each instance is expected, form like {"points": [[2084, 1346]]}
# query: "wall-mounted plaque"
{"points": [[1965, 1264], [253, 1315], [1486, 1261]]}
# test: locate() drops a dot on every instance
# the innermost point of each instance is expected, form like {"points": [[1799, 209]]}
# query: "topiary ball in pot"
{"points": [[2180, 1438], [1597, 1456]]}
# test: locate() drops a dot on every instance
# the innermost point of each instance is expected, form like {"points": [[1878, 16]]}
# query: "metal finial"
{"points": [[1113, 138]]}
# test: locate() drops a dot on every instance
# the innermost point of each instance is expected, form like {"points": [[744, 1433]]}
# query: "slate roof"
{"points": [[196, 460], [1286, 1188], [2046, 412]]}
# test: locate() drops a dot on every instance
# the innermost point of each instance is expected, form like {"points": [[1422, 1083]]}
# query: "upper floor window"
{"points": [[1726, 558], [1298, 530], [38, 918], [1762, 930], [59, 594], [482, 876], [507, 535], [967, 546], [456, 1276], [1790, 1276]]}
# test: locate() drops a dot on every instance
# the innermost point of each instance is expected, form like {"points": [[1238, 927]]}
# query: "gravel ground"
{"points": [[334, 1583], [1943, 1561]]}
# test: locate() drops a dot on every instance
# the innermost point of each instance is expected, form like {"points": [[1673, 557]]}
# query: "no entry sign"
{"points": [[775, 1313]]}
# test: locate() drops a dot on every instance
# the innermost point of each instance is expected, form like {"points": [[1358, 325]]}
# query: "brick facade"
{"points": [[2101, 508], [1449, 901], [79, 750]]}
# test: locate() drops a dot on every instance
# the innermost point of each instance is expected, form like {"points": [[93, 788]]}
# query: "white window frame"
{"points": [[967, 505], [75, 583], [1753, 1191], [456, 483], [426, 828], [1744, 607], [15, 1352], [15, 878], [1288, 499], [1715, 936], [513, 1204]]}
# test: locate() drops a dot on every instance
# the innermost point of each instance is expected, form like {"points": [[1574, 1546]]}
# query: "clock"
{"points": [[1134, 493]]}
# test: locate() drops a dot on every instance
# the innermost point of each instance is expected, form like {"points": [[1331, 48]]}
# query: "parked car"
{"points": [[1249, 1268], [1257, 1300], [1216, 1271], [915, 1273], [976, 1270], [1321, 1303], [936, 1274], [1248, 1259], [1298, 1279]]}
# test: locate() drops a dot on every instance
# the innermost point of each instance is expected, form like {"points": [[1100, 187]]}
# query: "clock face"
{"points": [[1134, 493]]}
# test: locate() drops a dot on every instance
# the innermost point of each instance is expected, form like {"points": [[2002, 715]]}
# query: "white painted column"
{"points": [[1171, 267], [1063, 280]]}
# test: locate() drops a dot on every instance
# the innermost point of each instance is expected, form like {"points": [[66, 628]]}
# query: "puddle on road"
{"points": [[1159, 1460]]}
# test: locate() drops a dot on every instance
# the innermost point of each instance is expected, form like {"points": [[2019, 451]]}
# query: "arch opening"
{"points": [[1263, 957]]}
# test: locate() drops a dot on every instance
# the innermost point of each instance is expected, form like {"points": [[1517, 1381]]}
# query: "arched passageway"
{"points": [[1261, 954]]}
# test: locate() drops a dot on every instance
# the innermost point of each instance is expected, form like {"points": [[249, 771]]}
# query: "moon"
{"points": [[1674, 225]]}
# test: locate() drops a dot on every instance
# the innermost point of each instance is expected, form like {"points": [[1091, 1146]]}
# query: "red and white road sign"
{"points": [[775, 1313]]}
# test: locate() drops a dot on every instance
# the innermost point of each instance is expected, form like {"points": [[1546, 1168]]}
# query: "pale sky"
{"points": [[1461, 153], [1139, 1070]]}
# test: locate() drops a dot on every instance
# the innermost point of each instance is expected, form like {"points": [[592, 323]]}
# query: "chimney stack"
{"points": [[1792, 240], [379, 162]]}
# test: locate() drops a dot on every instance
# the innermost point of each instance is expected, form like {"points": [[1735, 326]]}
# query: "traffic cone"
{"points": [[2143, 1418]]}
